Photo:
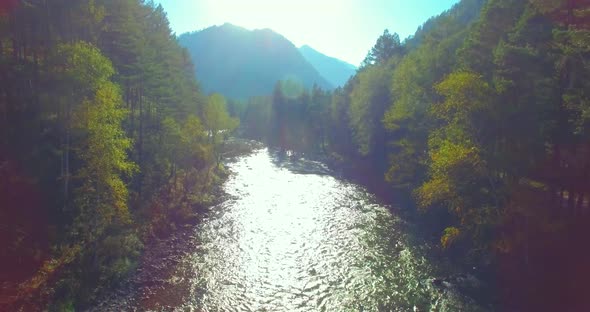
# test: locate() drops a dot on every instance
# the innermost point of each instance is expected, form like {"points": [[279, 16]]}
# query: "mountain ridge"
{"points": [[336, 71], [241, 63]]}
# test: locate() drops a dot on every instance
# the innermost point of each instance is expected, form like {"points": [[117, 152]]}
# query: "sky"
{"points": [[345, 29]]}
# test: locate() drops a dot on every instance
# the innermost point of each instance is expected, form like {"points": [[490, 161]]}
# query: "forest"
{"points": [[105, 142], [479, 123]]}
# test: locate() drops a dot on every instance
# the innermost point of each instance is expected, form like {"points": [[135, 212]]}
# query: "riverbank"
{"points": [[474, 276], [296, 237], [200, 264], [150, 286], [159, 243]]}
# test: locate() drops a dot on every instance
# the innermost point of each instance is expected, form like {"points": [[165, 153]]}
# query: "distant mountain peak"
{"points": [[241, 63], [226, 27], [336, 71]]}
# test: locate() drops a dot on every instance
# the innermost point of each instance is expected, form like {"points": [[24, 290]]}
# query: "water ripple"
{"points": [[293, 238]]}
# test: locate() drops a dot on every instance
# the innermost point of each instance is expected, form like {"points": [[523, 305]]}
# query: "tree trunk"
{"points": [[561, 196], [526, 243], [67, 154], [571, 195], [14, 50], [175, 176], [140, 143], [579, 203]]}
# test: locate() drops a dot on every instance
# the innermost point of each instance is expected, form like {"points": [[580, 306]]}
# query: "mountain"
{"points": [[336, 71], [240, 63]]}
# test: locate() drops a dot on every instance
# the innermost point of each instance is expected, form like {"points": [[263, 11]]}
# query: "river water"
{"points": [[293, 237]]}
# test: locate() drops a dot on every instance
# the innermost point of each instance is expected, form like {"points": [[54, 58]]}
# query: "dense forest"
{"points": [[105, 142], [479, 124], [481, 121]]}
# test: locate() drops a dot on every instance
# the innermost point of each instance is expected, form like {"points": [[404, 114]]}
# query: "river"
{"points": [[292, 236]]}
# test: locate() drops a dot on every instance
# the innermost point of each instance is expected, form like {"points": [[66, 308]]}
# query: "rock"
{"points": [[437, 282], [467, 281], [441, 283]]}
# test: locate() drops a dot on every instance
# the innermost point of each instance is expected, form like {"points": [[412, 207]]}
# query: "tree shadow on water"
{"points": [[297, 163]]}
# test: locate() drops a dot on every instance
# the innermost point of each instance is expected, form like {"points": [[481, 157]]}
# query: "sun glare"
{"points": [[316, 19]]}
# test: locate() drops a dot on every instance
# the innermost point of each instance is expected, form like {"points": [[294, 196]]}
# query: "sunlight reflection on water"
{"points": [[292, 240]]}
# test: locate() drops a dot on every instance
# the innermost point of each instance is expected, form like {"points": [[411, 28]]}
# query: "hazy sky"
{"points": [[345, 29]]}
